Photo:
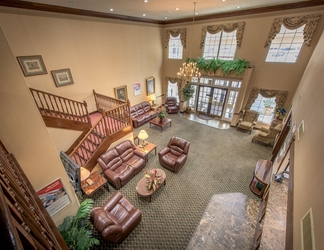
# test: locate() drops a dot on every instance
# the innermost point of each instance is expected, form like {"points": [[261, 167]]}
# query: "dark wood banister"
{"points": [[60, 107], [114, 124]]}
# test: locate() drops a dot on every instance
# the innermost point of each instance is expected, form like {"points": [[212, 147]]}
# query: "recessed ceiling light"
{"points": [[144, 14], [145, 1], [238, 7], [176, 8], [111, 9], [71, 2], [223, 0], [166, 17]]}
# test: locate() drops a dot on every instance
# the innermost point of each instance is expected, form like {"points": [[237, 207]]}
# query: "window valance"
{"points": [[174, 33], [267, 93], [230, 27], [293, 23]]}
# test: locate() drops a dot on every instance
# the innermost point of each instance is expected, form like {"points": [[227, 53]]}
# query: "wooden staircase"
{"points": [[61, 112]]}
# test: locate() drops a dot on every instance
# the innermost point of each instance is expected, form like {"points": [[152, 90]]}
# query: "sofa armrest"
{"points": [[111, 175], [112, 231], [140, 154], [164, 151], [181, 159]]}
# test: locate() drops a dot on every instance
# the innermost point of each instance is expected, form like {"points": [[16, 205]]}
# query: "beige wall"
{"points": [[23, 131], [308, 106], [280, 76], [101, 55]]}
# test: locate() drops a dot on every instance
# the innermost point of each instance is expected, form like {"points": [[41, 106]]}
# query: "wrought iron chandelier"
{"points": [[189, 69]]}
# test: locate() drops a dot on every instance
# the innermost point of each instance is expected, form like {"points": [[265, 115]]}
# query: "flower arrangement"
{"points": [[280, 111], [162, 112], [153, 179]]}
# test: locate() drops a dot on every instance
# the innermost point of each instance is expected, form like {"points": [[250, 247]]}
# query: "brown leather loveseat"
{"points": [[142, 113], [122, 163], [116, 219]]}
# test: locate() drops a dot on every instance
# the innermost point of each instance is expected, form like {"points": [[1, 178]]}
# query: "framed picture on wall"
{"points": [[150, 85], [32, 65], [137, 88], [62, 77], [121, 93]]}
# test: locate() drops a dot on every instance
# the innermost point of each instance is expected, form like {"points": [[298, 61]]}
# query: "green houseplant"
{"points": [[188, 91], [76, 230], [162, 112]]}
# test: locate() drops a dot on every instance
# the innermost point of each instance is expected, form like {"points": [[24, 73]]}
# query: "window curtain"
{"points": [[172, 80], [175, 33], [293, 23], [230, 27], [267, 93]]}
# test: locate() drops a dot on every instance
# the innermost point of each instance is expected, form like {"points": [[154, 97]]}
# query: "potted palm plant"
{"points": [[268, 106], [76, 230]]}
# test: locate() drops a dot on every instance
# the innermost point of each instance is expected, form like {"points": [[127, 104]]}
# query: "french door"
{"points": [[211, 100]]}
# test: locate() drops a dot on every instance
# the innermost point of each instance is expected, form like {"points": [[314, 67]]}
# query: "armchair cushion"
{"points": [[267, 136]]}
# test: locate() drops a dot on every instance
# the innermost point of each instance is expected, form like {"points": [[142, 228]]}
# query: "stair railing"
{"points": [[60, 107], [113, 121], [105, 102]]}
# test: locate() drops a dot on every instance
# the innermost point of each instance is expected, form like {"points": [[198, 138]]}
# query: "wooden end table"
{"points": [[141, 187], [93, 183], [148, 148], [161, 123]]}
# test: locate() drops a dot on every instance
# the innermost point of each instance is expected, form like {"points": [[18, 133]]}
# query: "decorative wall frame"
{"points": [[62, 77], [137, 88], [121, 93], [32, 65], [150, 85]]}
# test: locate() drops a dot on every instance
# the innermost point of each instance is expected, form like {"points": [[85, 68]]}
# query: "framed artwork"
{"points": [[121, 93], [137, 88], [62, 77], [32, 65], [54, 197], [150, 85]]}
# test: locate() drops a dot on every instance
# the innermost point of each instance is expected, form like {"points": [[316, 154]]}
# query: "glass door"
{"points": [[211, 100]]}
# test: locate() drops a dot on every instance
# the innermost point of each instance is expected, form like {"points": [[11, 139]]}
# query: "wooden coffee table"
{"points": [[141, 187], [157, 122], [93, 183], [148, 148]]}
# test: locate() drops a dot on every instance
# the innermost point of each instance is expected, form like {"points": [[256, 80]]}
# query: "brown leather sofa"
{"points": [[174, 156], [116, 219], [171, 105], [142, 113], [122, 163]]}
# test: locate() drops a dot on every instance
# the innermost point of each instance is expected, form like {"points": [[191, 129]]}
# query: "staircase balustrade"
{"points": [[105, 102], [60, 107]]}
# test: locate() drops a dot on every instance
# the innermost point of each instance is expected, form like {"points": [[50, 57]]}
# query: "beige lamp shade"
{"points": [[84, 173], [142, 135], [153, 97]]}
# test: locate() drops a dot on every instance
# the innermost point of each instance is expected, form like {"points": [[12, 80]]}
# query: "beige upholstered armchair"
{"points": [[267, 136], [247, 120]]}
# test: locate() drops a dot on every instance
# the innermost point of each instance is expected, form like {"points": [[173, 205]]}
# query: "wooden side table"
{"points": [[93, 183], [148, 148]]}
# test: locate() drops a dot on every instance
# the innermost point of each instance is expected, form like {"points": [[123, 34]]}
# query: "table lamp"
{"points": [[142, 135], [84, 173], [153, 98]]}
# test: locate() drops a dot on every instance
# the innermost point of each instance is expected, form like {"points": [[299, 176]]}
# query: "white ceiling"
{"points": [[164, 10]]}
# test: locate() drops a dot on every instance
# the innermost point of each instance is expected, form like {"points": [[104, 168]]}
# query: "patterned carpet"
{"points": [[219, 161]]}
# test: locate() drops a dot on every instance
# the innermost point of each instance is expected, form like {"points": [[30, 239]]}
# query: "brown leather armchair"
{"points": [[116, 219], [171, 105], [174, 156]]}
